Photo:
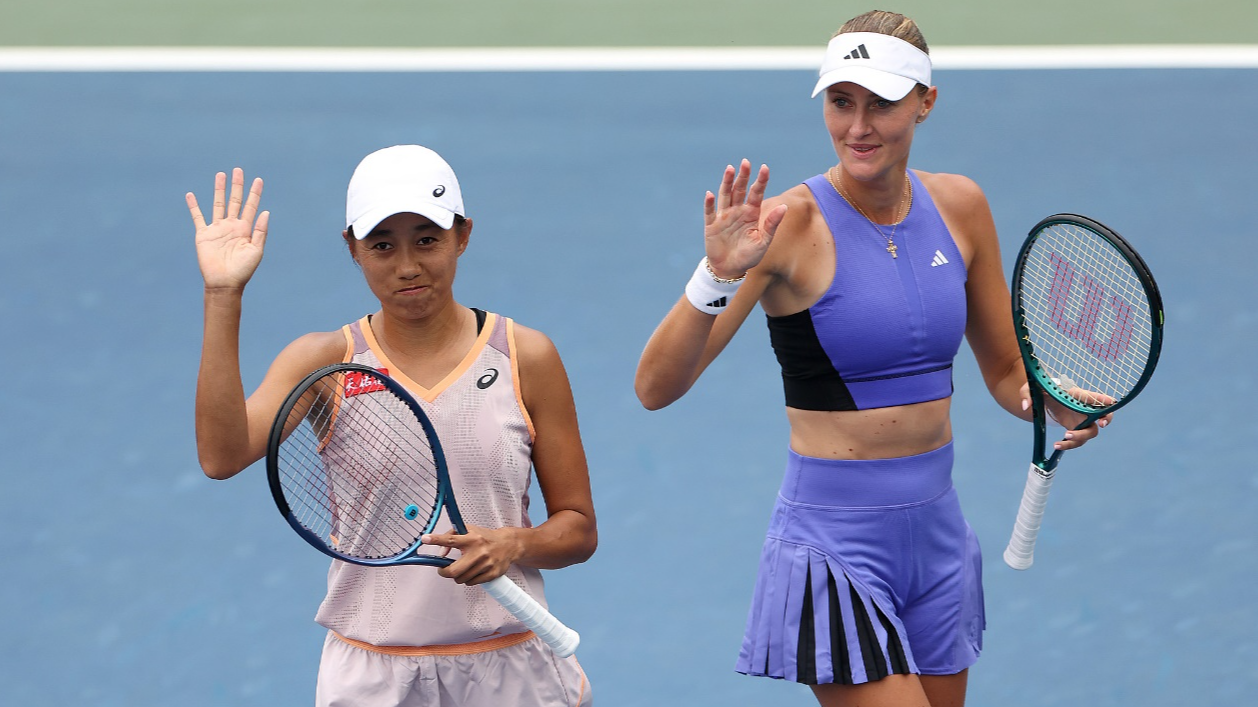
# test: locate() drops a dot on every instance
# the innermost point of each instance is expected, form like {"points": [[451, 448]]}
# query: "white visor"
{"points": [[888, 66]]}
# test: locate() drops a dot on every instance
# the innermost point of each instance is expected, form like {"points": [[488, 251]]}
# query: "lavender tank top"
{"points": [[887, 329]]}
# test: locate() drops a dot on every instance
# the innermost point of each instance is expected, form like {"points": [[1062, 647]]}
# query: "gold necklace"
{"points": [[905, 198]]}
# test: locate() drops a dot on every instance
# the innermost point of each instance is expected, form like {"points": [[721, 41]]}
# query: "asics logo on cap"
{"points": [[858, 53], [441, 189]]}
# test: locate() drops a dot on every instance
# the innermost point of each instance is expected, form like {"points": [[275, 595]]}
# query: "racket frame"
{"points": [[444, 495], [1042, 380]]}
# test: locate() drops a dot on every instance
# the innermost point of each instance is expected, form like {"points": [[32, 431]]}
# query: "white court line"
{"points": [[91, 59]]}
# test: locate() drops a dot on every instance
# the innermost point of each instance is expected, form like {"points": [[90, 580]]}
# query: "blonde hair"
{"points": [[888, 23]]}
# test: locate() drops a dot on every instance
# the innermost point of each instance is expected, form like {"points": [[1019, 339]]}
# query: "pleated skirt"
{"points": [[868, 569]]}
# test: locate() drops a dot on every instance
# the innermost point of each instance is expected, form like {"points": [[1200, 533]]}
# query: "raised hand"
{"points": [[229, 247], [732, 234]]}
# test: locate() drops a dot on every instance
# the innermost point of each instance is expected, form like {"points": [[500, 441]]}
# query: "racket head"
{"points": [[355, 467], [1088, 314]]}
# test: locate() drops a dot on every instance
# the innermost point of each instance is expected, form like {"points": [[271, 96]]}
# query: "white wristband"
{"points": [[706, 293]]}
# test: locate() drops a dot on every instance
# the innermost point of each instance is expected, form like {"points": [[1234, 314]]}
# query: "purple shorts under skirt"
{"points": [[868, 569]]}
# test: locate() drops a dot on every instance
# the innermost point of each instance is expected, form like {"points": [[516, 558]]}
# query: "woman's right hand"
{"points": [[229, 248], [732, 233]]}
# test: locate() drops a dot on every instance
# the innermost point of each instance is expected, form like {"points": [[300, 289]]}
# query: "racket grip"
{"points": [[560, 638], [1021, 550]]}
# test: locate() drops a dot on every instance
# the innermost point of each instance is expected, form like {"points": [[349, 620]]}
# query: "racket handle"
{"points": [[560, 638], [1021, 551]]}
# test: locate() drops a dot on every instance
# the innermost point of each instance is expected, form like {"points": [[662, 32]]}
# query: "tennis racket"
{"points": [[1089, 322], [356, 468]]}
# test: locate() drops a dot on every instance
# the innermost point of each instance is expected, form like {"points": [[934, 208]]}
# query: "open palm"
{"points": [[230, 246], [732, 233]]}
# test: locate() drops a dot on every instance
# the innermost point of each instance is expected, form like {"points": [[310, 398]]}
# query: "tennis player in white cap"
{"points": [[500, 400], [871, 274]]}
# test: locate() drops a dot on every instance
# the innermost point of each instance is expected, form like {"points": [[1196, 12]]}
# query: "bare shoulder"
{"points": [[800, 206], [965, 211], [535, 349], [953, 192], [308, 353], [797, 227], [323, 346], [544, 383]]}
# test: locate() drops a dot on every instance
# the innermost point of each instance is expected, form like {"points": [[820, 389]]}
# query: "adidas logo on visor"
{"points": [[858, 53]]}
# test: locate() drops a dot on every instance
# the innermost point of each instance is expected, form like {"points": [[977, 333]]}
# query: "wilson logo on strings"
{"points": [[1095, 302]]}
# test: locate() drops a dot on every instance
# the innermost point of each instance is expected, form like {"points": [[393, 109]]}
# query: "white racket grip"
{"points": [[1021, 551], [560, 638]]}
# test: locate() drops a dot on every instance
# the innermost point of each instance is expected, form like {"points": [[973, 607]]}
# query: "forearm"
{"points": [[221, 415], [1007, 390], [568, 537], [672, 359]]}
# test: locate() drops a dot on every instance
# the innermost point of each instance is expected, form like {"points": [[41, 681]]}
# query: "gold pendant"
{"points": [[892, 249]]}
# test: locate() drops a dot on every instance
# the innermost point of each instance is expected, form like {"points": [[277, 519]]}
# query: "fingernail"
{"points": [[425, 538], [1102, 423], [1070, 435], [1025, 403]]}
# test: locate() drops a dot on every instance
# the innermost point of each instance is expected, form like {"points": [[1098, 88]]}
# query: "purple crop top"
{"points": [[887, 329]]}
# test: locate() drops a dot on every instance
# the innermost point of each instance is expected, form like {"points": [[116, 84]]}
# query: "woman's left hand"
{"points": [[1071, 419], [485, 553]]}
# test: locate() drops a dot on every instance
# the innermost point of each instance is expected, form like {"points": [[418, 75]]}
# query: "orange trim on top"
{"points": [[429, 395], [581, 695], [336, 404], [514, 356], [493, 644], [349, 343]]}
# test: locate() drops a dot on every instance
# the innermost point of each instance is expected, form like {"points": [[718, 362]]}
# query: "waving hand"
{"points": [[229, 247], [732, 233]]}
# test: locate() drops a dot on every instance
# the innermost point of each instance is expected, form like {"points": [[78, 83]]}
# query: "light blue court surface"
{"points": [[131, 580]]}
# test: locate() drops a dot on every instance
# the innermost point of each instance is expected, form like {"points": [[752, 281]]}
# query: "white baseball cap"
{"points": [[401, 179], [886, 65]]}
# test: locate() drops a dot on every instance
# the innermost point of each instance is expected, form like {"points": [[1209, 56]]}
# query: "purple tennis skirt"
{"points": [[868, 569]]}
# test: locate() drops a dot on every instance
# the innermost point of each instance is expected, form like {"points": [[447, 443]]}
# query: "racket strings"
{"points": [[1087, 315], [358, 470]]}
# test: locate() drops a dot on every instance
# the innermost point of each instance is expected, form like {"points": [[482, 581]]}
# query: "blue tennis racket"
{"points": [[356, 468]]}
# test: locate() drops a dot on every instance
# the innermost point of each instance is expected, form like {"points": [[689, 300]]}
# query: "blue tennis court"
{"points": [[131, 579]]}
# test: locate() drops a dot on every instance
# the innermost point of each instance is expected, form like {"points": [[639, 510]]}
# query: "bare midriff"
{"points": [[881, 433]]}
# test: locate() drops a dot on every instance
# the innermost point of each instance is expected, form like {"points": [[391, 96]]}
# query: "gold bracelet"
{"points": [[722, 280]]}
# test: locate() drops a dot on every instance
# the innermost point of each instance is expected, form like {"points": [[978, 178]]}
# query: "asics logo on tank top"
{"points": [[488, 379], [858, 53]]}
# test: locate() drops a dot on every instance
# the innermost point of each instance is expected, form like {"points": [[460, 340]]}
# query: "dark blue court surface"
{"points": [[129, 579]]}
